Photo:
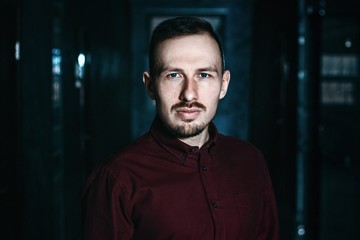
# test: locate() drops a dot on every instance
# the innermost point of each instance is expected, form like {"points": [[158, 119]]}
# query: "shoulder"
{"points": [[131, 155], [118, 167]]}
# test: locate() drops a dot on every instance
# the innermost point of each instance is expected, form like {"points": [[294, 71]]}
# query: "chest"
{"points": [[204, 201]]}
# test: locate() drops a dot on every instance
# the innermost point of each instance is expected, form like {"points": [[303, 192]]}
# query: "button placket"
{"points": [[212, 151]]}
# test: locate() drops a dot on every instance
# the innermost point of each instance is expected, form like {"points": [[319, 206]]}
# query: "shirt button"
{"points": [[182, 157], [204, 168], [214, 205], [193, 149]]}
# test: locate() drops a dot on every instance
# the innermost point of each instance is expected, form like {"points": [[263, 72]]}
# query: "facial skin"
{"points": [[189, 85]]}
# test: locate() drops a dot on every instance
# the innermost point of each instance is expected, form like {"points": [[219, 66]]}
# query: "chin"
{"points": [[187, 130]]}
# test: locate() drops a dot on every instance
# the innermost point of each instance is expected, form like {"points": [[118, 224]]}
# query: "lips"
{"points": [[188, 113]]}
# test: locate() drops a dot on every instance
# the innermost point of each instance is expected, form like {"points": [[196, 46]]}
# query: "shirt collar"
{"points": [[176, 147]]}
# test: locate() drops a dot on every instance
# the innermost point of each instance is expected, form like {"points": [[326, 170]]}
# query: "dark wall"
{"points": [[96, 115], [273, 92], [101, 30], [64, 130], [9, 118], [37, 168], [277, 92]]}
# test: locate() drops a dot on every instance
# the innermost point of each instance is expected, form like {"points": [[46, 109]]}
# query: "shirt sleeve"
{"points": [[105, 214], [269, 228]]}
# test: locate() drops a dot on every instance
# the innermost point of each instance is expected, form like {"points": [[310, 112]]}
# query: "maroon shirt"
{"points": [[161, 188]]}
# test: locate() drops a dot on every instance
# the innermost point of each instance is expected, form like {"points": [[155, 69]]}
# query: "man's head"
{"points": [[177, 27], [188, 77]]}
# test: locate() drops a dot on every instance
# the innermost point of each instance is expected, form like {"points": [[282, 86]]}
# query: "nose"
{"points": [[189, 91]]}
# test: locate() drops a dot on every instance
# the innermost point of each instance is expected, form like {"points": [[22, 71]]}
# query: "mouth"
{"points": [[188, 114]]}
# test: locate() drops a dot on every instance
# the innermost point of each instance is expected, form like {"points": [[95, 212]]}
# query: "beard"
{"points": [[186, 129]]}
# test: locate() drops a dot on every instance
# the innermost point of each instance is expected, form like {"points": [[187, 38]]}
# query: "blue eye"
{"points": [[204, 75], [173, 75]]}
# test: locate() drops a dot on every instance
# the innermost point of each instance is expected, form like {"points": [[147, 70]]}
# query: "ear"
{"points": [[149, 85], [224, 83]]}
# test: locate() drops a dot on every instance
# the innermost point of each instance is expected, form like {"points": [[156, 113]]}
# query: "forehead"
{"points": [[191, 48]]}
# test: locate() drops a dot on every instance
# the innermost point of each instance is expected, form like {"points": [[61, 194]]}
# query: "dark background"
{"points": [[58, 120]]}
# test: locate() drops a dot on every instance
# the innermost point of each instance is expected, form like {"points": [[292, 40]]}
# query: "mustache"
{"points": [[188, 105]]}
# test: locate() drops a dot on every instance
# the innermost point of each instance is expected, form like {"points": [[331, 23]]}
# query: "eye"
{"points": [[204, 75], [173, 75]]}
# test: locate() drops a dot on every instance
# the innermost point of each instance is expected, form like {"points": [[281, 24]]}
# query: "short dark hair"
{"points": [[180, 26]]}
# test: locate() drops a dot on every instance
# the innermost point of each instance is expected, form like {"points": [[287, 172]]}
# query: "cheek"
{"points": [[164, 101], [211, 94], [211, 100], [167, 93]]}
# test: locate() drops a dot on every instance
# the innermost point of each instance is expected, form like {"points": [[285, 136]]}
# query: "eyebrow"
{"points": [[208, 69], [170, 68], [176, 69]]}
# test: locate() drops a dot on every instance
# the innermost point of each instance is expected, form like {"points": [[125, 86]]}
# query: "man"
{"points": [[183, 179]]}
